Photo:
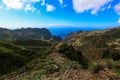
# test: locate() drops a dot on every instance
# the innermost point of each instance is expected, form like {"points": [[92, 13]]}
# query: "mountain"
{"points": [[95, 43], [87, 55], [97, 52], [27, 34]]}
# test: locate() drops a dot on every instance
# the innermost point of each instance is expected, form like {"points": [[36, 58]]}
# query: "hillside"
{"points": [[13, 57], [86, 55], [27, 34], [98, 53], [19, 59], [95, 43]]}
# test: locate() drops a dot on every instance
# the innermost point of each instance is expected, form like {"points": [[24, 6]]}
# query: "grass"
{"points": [[16, 59], [97, 68], [114, 65], [38, 62], [71, 53], [68, 64]]}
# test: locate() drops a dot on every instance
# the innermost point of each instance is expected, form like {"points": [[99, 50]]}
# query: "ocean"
{"points": [[63, 32]]}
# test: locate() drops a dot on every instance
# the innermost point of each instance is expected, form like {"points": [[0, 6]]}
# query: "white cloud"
{"points": [[81, 6], [28, 7], [50, 7], [20, 4], [117, 8], [119, 20], [15, 4], [61, 2]]}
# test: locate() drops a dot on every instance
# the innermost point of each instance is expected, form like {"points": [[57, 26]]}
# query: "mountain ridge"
{"points": [[27, 34]]}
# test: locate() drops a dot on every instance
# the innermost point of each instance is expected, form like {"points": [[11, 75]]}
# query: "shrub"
{"points": [[112, 53], [71, 53], [70, 65], [114, 65], [51, 68], [98, 67], [10, 61], [110, 63]]}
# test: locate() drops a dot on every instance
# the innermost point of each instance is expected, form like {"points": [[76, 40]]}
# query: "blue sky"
{"points": [[49, 13]]}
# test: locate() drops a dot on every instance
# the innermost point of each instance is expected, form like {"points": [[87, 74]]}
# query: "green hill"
{"points": [[13, 57], [27, 34]]}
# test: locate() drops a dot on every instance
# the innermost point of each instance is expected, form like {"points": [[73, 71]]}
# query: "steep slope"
{"points": [[27, 34], [17, 60], [94, 43], [98, 51], [13, 57]]}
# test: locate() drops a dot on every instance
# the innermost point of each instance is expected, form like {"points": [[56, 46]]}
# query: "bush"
{"points": [[110, 63], [112, 53], [10, 61], [70, 65], [71, 53], [114, 65], [51, 68], [98, 67], [116, 56]]}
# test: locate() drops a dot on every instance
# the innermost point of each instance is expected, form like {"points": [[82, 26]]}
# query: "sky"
{"points": [[59, 13]]}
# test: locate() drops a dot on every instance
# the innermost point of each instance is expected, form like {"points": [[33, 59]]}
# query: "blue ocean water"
{"points": [[63, 32]]}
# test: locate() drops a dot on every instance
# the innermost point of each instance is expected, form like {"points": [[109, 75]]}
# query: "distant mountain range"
{"points": [[27, 34]]}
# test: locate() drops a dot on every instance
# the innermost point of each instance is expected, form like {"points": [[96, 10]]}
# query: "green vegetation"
{"points": [[13, 57], [98, 66], [68, 64], [112, 53], [27, 34], [72, 54], [31, 43], [114, 65], [39, 56], [17, 59]]}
